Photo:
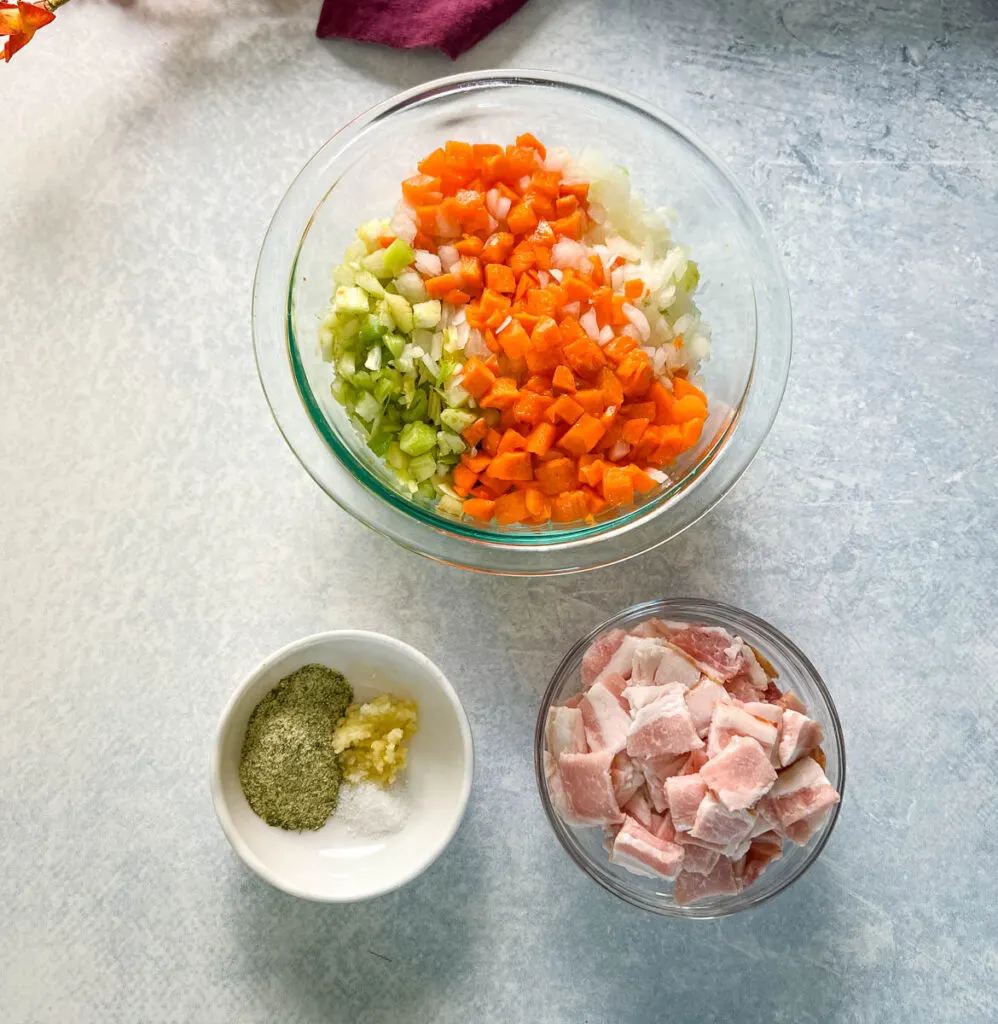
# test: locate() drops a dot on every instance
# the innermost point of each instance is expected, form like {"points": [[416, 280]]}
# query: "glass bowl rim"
{"points": [[685, 608], [724, 459]]}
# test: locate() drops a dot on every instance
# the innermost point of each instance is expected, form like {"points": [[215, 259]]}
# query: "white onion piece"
{"points": [[618, 451], [571, 308], [617, 279], [475, 345], [504, 325], [639, 320], [589, 324], [448, 257], [403, 227], [557, 274], [491, 198], [428, 263], [605, 335], [503, 205]]}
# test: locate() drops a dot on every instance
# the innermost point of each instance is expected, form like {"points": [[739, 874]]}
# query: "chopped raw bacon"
{"points": [[685, 794], [626, 778], [800, 736], [643, 853], [762, 851], [599, 654], [740, 774], [587, 787], [767, 712], [720, 882], [606, 722], [675, 667], [756, 673], [717, 825], [662, 727], [556, 791], [791, 702], [713, 649], [656, 770], [622, 660], [801, 791], [701, 700], [699, 859], [564, 732], [638, 697], [800, 832], [639, 807], [729, 721], [616, 684]]}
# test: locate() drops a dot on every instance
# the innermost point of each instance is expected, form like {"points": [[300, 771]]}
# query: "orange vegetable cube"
{"points": [[592, 400], [498, 247], [512, 465], [511, 441], [479, 508], [499, 278], [514, 339], [541, 438], [618, 488], [521, 219], [538, 503], [583, 436], [689, 407], [681, 388], [503, 394], [564, 379], [528, 141], [421, 189], [477, 378], [464, 478], [469, 272], [490, 443], [470, 245], [439, 286], [570, 226], [643, 483], [556, 475], [473, 434], [569, 506], [633, 430], [457, 297], [530, 407], [565, 409], [511, 508]]}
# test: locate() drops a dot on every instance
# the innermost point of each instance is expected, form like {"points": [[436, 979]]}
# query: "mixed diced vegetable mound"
{"points": [[519, 342]]}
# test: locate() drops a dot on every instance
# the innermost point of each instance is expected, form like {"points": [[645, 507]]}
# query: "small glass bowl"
{"points": [[355, 177], [585, 845]]}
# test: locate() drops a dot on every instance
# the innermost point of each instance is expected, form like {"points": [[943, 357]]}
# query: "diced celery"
{"points": [[447, 370], [425, 490], [368, 407], [410, 286], [350, 299], [398, 256], [370, 284], [343, 275], [417, 410], [457, 419], [356, 251], [426, 314], [417, 439], [395, 344], [370, 232], [348, 328], [434, 406], [363, 379], [396, 458], [373, 360], [423, 467], [401, 312], [448, 442], [326, 344], [371, 329], [375, 263], [408, 389], [691, 277], [450, 506], [347, 366], [343, 391], [380, 442]]}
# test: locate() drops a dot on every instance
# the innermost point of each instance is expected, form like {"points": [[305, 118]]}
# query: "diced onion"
{"points": [[428, 263]]}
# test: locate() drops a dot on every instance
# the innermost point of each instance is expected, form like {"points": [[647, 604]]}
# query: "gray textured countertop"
{"points": [[158, 538]]}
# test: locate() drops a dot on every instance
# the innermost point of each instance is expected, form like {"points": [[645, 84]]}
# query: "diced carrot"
{"points": [[664, 401], [511, 508], [522, 160], [577, 289], [566, 409], [591, 472], [538, 503], [603, 304], [691, 430], [597, 270], [479, 508], [512, 465], [672, 444], [592, 400], [690, 407], [618, 488], [569, 506], [512, 441], [464, 478], [530, 407], [579, 189], [542, 361], [639, 410], [521, 219], [521, 261], [541, 302], [682, 388], [490, 443], [527, 320], [480, 150], [506, 420], [476, 463], [613, 391], [440, 286], [570, 226], [584, 356], [470, 245], [618, 349], [543, 237], [491, 341], [565, 205], [469, 272], [634, 289], [538, 384], [541, 438], [477, 378], [515, 368], [583, 436], [593, 501], [459, 154], [457, 297], [435, 163], [498, 247], [385, 240], [476, 431], [421, 189], [514, 339], [503, 394], [636, 374], [564, 379], [426, 215], [650, 440], [424, 241], [492, 304], [642, 482], [556, 475], [633, 430], [528, 141], [500, 278]]}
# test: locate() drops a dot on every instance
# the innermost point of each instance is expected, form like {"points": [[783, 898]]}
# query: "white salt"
{"points": [[368, 810]]}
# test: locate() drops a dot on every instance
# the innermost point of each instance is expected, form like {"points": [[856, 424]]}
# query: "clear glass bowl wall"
{"points": [[356, 176], [585, 845]]}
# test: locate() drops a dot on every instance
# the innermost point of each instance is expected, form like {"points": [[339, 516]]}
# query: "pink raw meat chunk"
{"points": [[755, 672], [564, 732], [644, 662], [701, 700], [664, 828], [588, 788], [685, 794], [791, 702], [556, 790], [599, 654], [656, 770], [626, 778], [640, 809], [729, 721], [694, 762], [713, 649], [739, 775], [800, 832], [741, 689], [642, 853], [720, 882], [773, 693], [622, 660], [606, 722], [638, 697], [761, 853], [616, 684], [801, 791], [761, 709], [675, 667], [716, 824], [699, 859], [799, 737], [663, 727]]}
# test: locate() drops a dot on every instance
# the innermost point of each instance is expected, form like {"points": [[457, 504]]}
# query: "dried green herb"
{"points": [[288, 769]]}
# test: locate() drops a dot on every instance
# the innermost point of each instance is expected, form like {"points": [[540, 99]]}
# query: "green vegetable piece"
{"points": [[417, 438], [363, 379], [423, 467], [398, 256], [691, 277], [400, 311], [426, 314], [418, 409], [448, 442], [368, 407], [457, 419], [350, 300], [370, 284], [395, 344], [371, 329], [380, 441]]}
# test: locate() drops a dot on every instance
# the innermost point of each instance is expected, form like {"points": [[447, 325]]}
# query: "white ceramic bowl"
{"points": [[331, 864]]}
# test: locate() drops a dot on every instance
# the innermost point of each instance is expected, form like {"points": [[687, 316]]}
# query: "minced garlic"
{"points": [[370, 739]]}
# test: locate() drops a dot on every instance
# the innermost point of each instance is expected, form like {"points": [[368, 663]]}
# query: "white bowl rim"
{"points": [[215, 773]]}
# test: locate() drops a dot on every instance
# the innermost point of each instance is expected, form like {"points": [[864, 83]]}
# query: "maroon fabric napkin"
{"points": [[451, 25]]}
